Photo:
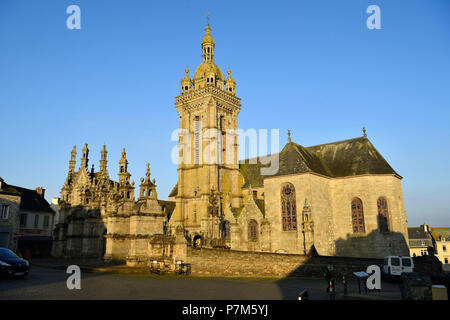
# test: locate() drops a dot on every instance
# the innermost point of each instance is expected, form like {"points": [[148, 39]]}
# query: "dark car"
{"points": [[12, 265]]}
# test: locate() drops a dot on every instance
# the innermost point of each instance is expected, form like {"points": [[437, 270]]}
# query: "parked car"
{"points": [[394, 266], [12, 265]]}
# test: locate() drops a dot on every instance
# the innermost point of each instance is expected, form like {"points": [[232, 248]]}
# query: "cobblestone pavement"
{"points": [[50, 283]]}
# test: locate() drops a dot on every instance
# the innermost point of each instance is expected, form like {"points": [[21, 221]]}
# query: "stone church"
{"points": [[341, 198]]}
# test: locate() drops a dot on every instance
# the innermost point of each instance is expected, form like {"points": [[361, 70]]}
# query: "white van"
{"points": [[396, 265]]}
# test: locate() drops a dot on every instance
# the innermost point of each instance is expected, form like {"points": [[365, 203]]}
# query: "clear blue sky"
{"points": [[310, 66]]}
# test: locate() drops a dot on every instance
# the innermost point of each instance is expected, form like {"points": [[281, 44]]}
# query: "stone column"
{"points": [[180, 246], [265, 236], [235, 237]]}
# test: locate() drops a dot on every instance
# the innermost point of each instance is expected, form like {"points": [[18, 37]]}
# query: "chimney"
{"points": [[1, 183], [40, 191]]}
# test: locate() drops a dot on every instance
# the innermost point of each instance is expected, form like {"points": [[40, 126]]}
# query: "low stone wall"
{"points": [[220, 262]]}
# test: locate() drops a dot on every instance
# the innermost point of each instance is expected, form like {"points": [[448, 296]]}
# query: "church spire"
{"points": [[208, 46], [230, 84], [186, 82], [103, 161], [73, 156], [84, 159], [124, 175]]}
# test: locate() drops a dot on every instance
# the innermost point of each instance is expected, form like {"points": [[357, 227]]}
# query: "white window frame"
{"points": [[4, 214]]}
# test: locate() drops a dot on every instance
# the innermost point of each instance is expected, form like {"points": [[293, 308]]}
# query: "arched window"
{"points": [[383, 215], [357, 216], [288, 208], [252, 230]]}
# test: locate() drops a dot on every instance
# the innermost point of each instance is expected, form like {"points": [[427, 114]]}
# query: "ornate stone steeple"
{"points": [[208, 107], [73, 156], [208, 73], [124, 175], [230, 84], [85, 159], [148, 188], [186, 82], [208, 45], [103, 161]]}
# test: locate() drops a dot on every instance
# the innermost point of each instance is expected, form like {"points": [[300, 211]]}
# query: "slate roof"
{"points": [[261, 205], [167, 206], [417, 233], [7, 189], [30, 199], [337, 159], [440, 232], [174, 191], [344, 158]]}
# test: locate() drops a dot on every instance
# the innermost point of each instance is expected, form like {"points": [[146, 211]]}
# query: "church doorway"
{"points": [[197, 241]]}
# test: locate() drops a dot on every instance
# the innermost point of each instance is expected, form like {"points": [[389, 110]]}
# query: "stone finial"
{"points": [[74, 152], [84, 159], [364, 132], [289, 136], [147, 174]]}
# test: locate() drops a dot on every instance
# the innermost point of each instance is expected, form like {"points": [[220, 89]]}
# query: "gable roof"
{"points": [[168, 207], [30, 199], [352, 157], [417, 233], [337, 159], [174, 191], [7, 189], [440, 232]]}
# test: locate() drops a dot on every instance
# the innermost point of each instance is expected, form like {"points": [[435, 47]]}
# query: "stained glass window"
{"points": [[252, 230], [357, 216], [288, 208], [383, 215]]}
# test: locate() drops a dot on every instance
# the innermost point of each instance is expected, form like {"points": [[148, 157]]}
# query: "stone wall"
{"points": [[220, 262], [330, 203], [9, 227], [80, 234]]}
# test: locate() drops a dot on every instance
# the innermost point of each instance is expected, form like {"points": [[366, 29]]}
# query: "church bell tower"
{"points": [[207, 148]]}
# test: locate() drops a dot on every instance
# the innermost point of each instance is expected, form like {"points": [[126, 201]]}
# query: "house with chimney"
{"points": [[26, 220]]}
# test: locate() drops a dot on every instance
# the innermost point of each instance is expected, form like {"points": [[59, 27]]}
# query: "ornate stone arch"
{"points": [[288, 207]]}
